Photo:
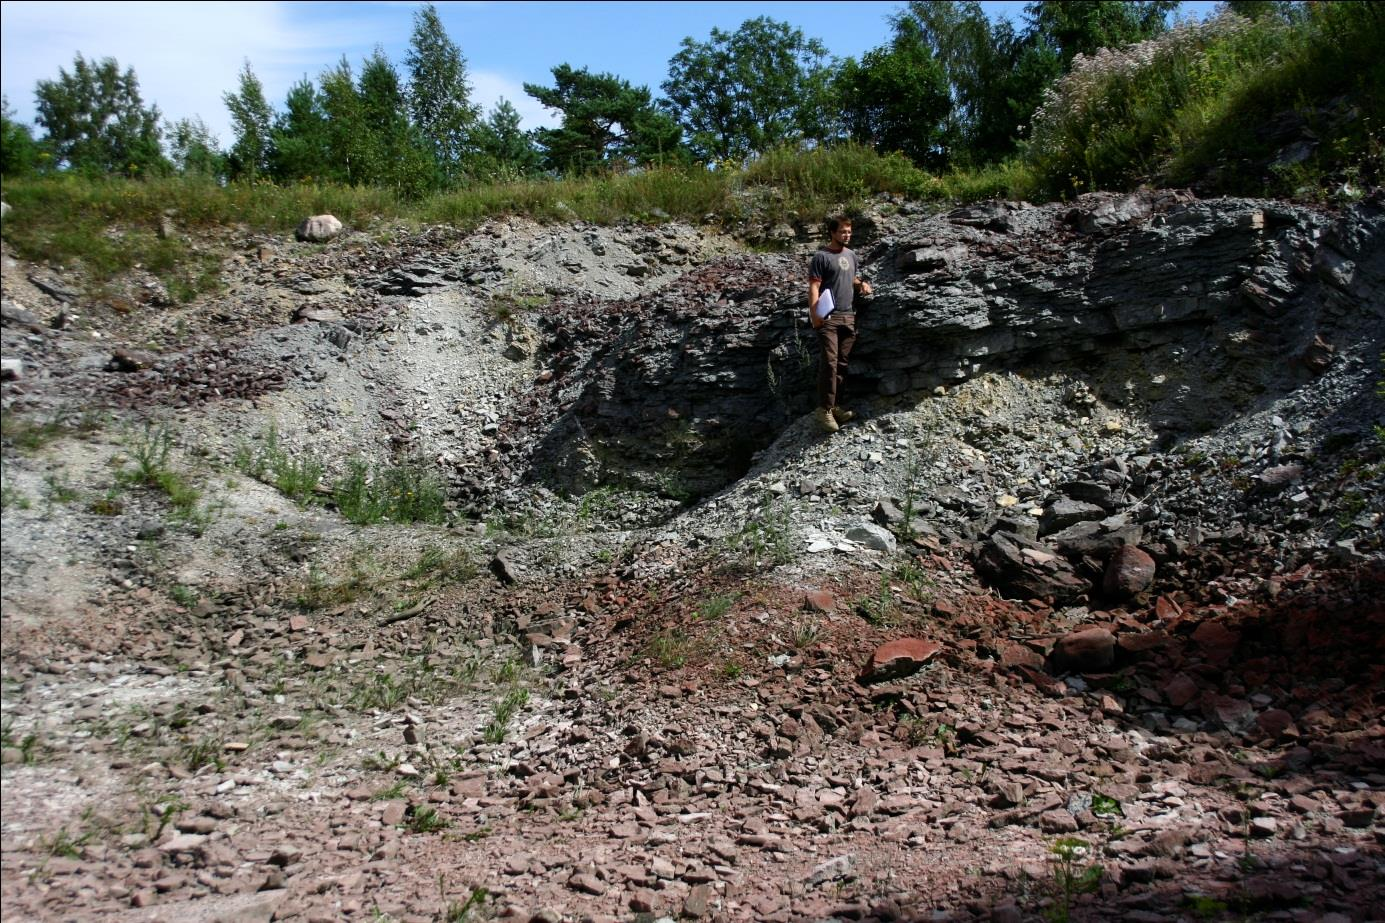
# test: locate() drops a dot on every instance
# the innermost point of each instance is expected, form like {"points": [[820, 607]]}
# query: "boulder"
{"points": [[1130, 571], [1024, 569], [11, 369], [1064, 512], [318, 229], [1088, 650], [872, 536]]}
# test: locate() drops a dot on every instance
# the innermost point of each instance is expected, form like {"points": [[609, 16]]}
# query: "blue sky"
{"points": [[187, 54]]}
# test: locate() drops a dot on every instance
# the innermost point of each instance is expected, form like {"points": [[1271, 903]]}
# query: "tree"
{"points": [[251, 119], [348, 148], [502, 147], [606, 121], [745, 92], [96, 121], [300, 145], [19, 152], [393, 156], [439, 96], [195, 150], [1083, 26], [896, 97]]}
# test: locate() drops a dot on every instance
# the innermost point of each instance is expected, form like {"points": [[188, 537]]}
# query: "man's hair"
{"points": [[836, 222]]}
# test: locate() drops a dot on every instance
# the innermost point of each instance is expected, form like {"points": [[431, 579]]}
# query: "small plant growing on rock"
{"points": [[1072, 875], [425, 820]]}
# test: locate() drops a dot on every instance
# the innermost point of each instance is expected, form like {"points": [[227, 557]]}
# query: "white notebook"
{"points": [[825, 305]]}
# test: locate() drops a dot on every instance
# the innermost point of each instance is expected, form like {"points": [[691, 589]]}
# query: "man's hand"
{"points": [[863, 287]]}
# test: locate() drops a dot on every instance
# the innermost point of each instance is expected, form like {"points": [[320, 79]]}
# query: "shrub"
{"points": [[407, 492]]}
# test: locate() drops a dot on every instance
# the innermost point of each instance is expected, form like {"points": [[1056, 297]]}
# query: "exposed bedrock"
{"points": [[1186, 311]]}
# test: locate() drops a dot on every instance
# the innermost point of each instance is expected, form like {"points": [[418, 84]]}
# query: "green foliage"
{"points": [[606, 122], [766, 538], [1086, 26], [96, 121], [745, 92], [299, 141], [439, 96], [714, 607], [505, 709], [251, 118], [406, 492], [194, 149], [150, 450], [669, 649], [823, 180], [896, 98], [424, 820], [20, 154], [1072, 875], [296, 477], [502, 150], [1192, 105]]}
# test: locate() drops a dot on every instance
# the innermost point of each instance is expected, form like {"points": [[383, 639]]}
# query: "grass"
{"points": [[505, 709], [149, 452], [766, 538], [296, 477], [403, 493], [1191, 105]]}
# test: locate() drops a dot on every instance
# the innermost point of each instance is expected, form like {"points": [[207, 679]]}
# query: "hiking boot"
{"points": [[842, 415], [826, 420]]}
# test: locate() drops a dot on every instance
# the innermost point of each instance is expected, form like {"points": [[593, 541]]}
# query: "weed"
{"points": [[160, 813], [505, 709], [380, 761], [436, 566], [1071, 876], [715, 607], [11, 497], [424, 820], [1105, 806], [295, 477], [879, 609], [477, 835], [184, 596], [805, 632], [407, 492], [730, 670], [66, 845], [59, 490], [1204, 907], [767, 537], [669, 649], [150, 451], [108, 504], [205, 751], [476, 900]]}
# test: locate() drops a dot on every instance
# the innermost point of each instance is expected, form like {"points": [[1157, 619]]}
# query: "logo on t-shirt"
{"points": [[843, 263]]}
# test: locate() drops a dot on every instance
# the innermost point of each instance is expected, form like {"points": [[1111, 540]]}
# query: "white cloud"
{"points": [[186, 55]]}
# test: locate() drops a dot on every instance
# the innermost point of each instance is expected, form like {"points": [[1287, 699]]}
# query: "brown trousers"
{"points": [[836, 335]]}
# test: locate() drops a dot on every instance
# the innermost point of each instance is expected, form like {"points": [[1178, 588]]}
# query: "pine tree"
{"points": [[300, 147], [503, 149]]}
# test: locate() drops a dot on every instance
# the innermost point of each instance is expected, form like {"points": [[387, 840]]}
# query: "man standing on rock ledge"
{"points": [[833, 275]]}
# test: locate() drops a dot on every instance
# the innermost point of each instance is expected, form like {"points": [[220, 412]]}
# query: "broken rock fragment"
{"points": [[899, 658]]}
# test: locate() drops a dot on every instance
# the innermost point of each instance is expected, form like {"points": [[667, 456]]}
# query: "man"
{"points": [[834, 269]]}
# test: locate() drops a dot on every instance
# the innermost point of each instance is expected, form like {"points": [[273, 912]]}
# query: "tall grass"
{"points": [[1195, 104]]}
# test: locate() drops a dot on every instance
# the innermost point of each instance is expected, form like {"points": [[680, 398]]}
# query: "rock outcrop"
{"points": [[1186, 311]]}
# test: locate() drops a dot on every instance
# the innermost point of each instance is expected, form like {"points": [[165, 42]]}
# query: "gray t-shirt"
{"points": [[837, 272]]}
